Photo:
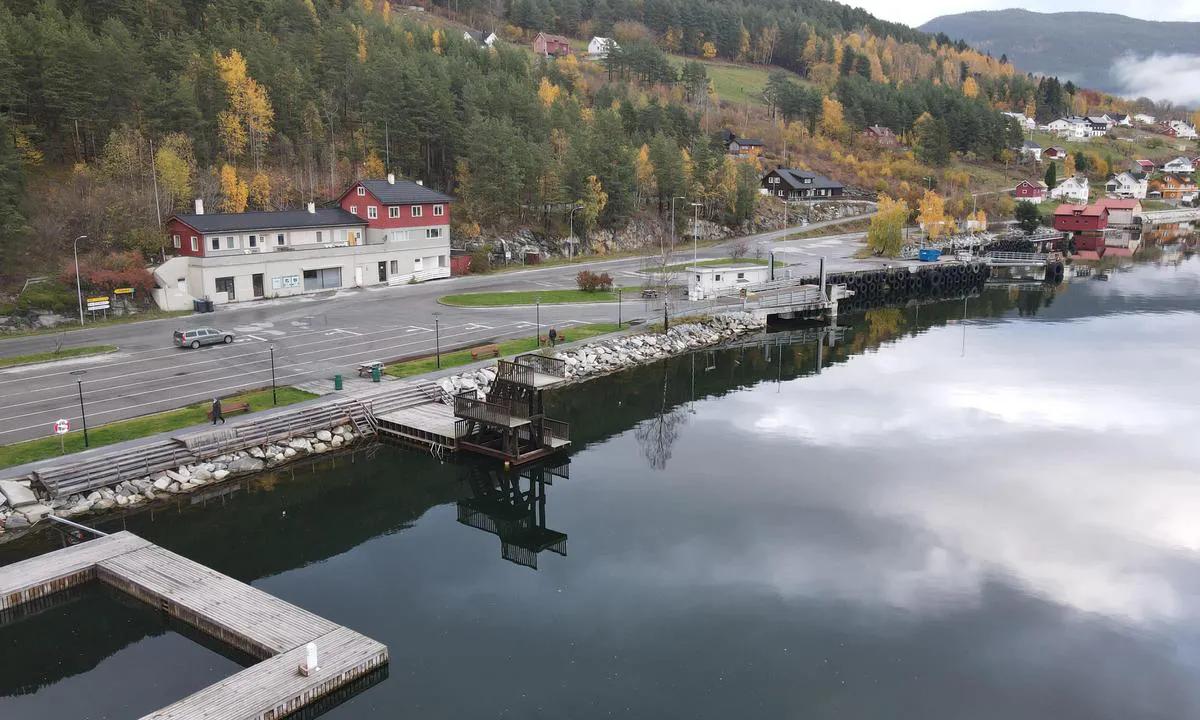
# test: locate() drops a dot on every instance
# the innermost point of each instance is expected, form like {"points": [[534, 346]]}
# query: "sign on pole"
{"points": [[62, 427], [123, 291], [97, 303]]}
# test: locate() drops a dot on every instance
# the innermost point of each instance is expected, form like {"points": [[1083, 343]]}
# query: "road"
{"points": [[316, 336]]}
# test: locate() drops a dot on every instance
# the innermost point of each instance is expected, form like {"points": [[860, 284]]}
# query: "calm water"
{"points": [[995, 518]]}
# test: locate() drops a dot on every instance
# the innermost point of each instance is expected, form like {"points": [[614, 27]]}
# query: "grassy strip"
{"points": [[56, 355], [140, 316], [419, 366], [836, 229], [529, 297], [122, 430], [715, 262]]}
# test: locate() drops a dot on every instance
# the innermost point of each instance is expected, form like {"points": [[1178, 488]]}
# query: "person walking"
{"points": [[553, 334], [216, 411]]}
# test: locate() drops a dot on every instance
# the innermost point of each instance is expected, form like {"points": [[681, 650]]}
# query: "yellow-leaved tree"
{"points": [[932, 215], [886, 234], [970, 88], [594, 201], [833, 119], [260, 191], [708, 51], [234, 190], [373, 165], [644, 170], [548, 92], [174, 175], [249, 114]]}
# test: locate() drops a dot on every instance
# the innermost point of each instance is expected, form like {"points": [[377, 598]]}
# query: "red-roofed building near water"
{"points": [[1086, 223]]}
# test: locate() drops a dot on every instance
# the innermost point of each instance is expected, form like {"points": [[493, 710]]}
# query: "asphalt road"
{"points": [[316, 336]]}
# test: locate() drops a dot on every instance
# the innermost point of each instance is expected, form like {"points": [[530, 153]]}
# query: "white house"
{"points": [[1127, 185], [491, 39], [1180, 164], [711, 281], [1144, 119], [1026, 123], [1073, 189], [1058, 126], [1180, 129], [1073, 128], [1119, 119], [599, 47], [1032, 150]]}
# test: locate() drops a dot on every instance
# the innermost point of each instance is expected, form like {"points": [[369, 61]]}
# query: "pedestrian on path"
{"points": [[216, 411], [553, 336]]}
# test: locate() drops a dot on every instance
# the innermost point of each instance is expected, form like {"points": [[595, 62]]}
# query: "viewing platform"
{"points": [[272, 630]]}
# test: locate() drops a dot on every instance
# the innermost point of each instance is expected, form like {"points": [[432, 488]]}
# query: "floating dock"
{"points": [[251, 620]]}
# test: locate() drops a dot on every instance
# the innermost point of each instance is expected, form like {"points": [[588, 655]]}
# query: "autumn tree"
{"points": [[886, 233], [259, 191], [234, 190], [174, 176], [249, 115], [970, 88], [593, 202], [644, 169], [833, 120], [548, 92], [932, 216]]}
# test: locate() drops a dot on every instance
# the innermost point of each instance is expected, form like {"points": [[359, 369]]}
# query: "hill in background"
{"points": [[1091, 49]]}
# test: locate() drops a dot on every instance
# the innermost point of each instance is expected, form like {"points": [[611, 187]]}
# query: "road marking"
{"points": [[255, 337], [340, 331], [524, 324], [477, 326], [414, 328]]}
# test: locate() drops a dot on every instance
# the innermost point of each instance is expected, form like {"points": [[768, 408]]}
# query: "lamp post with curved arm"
{"points": [[78, 286]]}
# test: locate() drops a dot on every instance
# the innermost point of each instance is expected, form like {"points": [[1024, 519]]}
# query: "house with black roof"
{"points": [[379, 232], [793, 184]]}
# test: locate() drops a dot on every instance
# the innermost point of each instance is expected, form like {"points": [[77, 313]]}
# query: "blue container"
{"points": [[929, 255]]}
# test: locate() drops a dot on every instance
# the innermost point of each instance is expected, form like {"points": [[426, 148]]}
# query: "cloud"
{"points": [[1160, 77]]}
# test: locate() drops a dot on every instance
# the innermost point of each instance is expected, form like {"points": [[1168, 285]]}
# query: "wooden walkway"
{"points": [[242, 616], [432, 423]]}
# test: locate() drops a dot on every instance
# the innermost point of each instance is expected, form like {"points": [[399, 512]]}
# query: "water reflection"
{"points": [[511, 504]]}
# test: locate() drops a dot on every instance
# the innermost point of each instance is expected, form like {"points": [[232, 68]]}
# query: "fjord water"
{"points": [[985, 518]]}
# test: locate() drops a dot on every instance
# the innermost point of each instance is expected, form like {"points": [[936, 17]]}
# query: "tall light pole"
{"points": [[82, 414], [437, 340], [537, 310], [696, 244], [571, 239], [274, 399], [78, 286], [673, 221]]}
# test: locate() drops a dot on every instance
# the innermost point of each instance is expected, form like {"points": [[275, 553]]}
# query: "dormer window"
{"points": [[362, 191]]}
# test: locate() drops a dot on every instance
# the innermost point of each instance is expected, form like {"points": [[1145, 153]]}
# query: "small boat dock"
{"points": [[251, 620]]}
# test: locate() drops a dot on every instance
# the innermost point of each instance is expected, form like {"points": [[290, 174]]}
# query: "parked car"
{"points": [[196, 337]]}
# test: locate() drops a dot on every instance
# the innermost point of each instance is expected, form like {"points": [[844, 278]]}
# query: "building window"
{"points": [[393, 211], [395, 267], [279, 239], [175, 241], [225, 285], [716, 278], [441, 261], [253, 241], [215, 243], [372, 212], [362, 191], [353, 209], [439, 210], [230, 243], [433, 233], [318, 236], [741, 276], [417, 210], [195, 244]]}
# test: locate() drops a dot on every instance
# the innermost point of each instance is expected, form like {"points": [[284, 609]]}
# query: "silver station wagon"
{"points": [[196, 337]]}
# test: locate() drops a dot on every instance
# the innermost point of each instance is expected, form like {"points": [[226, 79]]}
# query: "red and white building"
{"points": [[1030, 191], [381, 232], [1086, 223]]}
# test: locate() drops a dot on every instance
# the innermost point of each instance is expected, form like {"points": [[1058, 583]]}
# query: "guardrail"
{"points": [[515, 373], [544, 365], [555, 430], [466, 405]]}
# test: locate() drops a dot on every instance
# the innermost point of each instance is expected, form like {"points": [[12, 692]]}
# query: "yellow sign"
{"points": [[102, 298], [123, 291]]}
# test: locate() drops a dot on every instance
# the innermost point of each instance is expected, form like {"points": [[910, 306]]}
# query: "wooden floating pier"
{"points": [[251, 620]]}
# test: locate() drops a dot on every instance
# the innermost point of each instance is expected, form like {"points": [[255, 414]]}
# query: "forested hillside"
{"points": [[114, 113]]}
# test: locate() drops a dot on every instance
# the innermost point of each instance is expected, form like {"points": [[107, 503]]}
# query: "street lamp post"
{"points": [[82, 414], [696, 242], [537, 310], [618, 308], [274, 399], [571, 239], [437, 340], [673, 220], [78, 285]]}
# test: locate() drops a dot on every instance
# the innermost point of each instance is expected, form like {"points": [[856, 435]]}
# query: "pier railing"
{"points": [[543, 364], [515, 372], [466, 405], [555, 430]]}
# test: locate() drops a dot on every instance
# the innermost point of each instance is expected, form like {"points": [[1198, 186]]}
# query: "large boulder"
{"points": [[160, 484], [324, 436], [17, 494], [246, 465], [16, 521]]}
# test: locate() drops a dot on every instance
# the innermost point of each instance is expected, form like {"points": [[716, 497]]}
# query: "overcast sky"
{"points": [[916, 12]]}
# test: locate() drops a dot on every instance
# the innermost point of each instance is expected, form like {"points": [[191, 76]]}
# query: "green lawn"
{"points": [[529, 297], [715, 262], [419, 366], [56, 355], [115, 432]]}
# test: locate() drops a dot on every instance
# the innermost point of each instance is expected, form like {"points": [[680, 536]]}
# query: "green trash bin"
{"points": [[376, 373], [337, 382]]}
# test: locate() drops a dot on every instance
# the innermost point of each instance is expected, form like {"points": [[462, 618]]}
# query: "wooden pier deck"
{"points": [[249, 619], [432, 424]]}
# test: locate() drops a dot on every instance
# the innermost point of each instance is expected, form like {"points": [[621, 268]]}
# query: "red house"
{"points": [[880, 135], [1086, 222], [398, 210], [556, 45], [1031, 191]]}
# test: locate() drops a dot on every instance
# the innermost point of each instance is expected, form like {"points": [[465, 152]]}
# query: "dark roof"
{"points": [[283, 220], [748, 141], [795, 178], [476, 35], [1030, 144], [402, 192]]}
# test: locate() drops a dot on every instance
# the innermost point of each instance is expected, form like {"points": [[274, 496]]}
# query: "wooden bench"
{"points": [[649, 294], [367, 368], [485, 351], [228, 408]]}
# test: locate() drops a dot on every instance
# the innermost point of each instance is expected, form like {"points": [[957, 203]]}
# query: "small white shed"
{"points": [[709, 281]]}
